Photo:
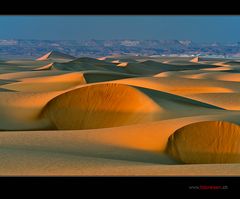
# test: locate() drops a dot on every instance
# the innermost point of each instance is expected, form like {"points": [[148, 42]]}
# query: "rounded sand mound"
{"points": [[100, 106], [206, 142]]}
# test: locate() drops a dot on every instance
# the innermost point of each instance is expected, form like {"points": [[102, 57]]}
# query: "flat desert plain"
{"points": [[119, 116]]}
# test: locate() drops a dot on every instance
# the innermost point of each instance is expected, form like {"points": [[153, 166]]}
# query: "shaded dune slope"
{"points": [[55, 55], [152, 67], [148, 67], [85, 63]]}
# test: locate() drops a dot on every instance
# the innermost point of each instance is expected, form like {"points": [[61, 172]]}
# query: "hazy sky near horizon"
{"points": [[196, 28]]}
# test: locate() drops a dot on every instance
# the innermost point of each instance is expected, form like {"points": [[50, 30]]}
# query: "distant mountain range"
{"points": [[96, 48]]}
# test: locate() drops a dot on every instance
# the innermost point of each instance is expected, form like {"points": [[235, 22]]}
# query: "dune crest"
{"points": [[123, 64], [195, 60], [46, 67], [55, 55], [206, 142]]}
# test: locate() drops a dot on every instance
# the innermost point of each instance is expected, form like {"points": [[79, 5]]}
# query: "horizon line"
{"points": [[121, 39]]}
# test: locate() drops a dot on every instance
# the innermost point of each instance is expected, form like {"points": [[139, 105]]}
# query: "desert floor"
{"points": [[119, 116]]}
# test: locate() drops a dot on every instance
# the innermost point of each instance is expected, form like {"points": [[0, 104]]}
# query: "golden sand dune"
{"points": [[225, 76], [55, 80], [28, 74], [183, 73], [21, 111], [233, 62], [206, 142], [182, 86], [122, 64], [89, 116], [46, 67], [99, 106], [195, 60], [207, 59], [101, 103], [221, 73], [47, 83], [222, 68], [223, 64], [229, 101]]}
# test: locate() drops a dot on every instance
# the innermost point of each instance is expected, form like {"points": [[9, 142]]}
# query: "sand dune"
{"points": [[85, 63], [152, 67], [46, 67], [119, 115], [229, 101], [207, 59], [123, 64], [55, 55], [195, 60], [131, 105], [99, 106], [225, 76], [47, 83], [28, 74], [206, 142], [182, 86], [22, 111]]}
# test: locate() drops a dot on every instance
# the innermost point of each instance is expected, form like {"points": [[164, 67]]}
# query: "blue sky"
{"points": [[196, 28]]}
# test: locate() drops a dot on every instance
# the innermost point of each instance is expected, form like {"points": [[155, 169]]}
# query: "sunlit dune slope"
{"points": [[46, 67], [47, 83], [182, 86], [29, 74], [224, 76], [21, 111], [206, 142], [99, 106], [109, 104], [55, 80]]}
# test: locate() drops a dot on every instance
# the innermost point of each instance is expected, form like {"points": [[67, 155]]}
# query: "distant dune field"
{"points": [[119, 115]]}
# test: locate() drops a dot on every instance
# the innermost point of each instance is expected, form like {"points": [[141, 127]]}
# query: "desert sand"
{"points": [[119, 116]]}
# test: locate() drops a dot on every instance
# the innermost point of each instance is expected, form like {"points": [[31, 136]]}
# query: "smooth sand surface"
{"points": [[119, 115], [221, 143]]}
